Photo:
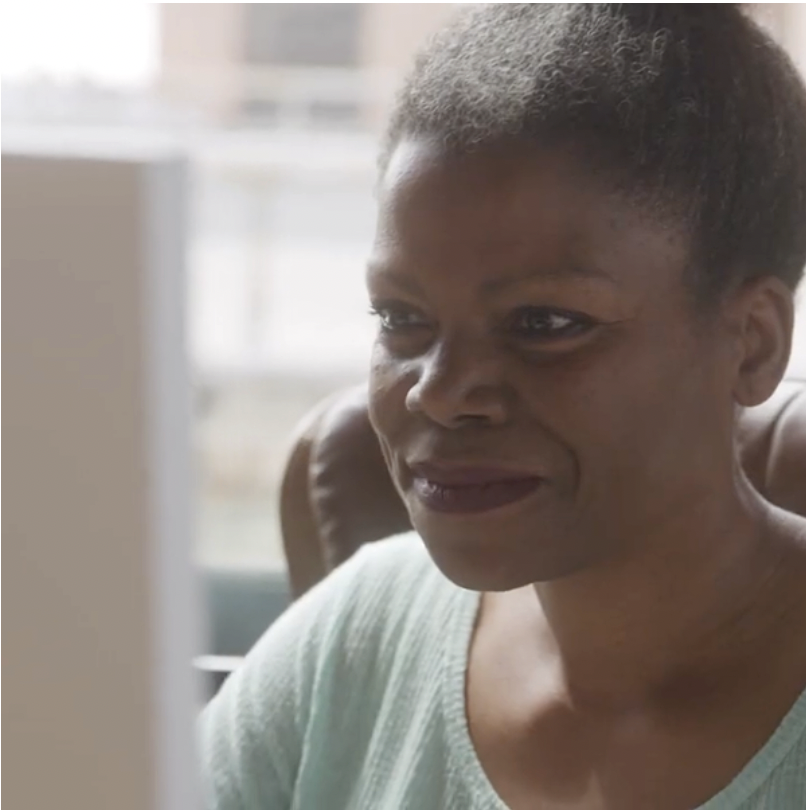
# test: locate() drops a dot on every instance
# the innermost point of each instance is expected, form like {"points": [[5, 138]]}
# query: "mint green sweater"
{"points": [[354, 698]]}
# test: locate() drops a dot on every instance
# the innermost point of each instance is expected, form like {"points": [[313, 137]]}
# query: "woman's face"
{"points": [[544, 394]]}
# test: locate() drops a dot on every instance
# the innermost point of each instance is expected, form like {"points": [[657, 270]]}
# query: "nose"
{"points": [[460, 382]]}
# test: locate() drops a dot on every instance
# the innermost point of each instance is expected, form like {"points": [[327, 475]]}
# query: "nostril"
{"points": [[473, 418]]}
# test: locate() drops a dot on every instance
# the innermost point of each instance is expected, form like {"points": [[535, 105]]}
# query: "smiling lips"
{"points": [[467, 490]]}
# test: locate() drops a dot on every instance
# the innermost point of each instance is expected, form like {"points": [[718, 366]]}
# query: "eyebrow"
{"points": [[570, 271], [389, 275], [498, 285]]}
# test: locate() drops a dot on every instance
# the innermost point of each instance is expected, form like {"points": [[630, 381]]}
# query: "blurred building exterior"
{"points": [[325, 64]]}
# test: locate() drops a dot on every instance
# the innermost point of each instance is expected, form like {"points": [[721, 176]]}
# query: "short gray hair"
{"points": [[691, 107]]}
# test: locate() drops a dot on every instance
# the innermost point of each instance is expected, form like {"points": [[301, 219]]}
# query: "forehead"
{"points": [[516, 208]]}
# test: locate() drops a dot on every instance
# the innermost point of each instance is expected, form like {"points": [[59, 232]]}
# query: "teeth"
{"points": [[434, 489]]}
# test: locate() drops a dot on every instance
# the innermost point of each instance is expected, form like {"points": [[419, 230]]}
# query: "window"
{"points": [[303, 34]]}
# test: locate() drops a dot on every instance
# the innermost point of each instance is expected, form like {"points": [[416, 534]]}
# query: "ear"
{"points": [[762, 317]]}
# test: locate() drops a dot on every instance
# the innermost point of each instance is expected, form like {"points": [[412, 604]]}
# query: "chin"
{"points": [[487, 553]]}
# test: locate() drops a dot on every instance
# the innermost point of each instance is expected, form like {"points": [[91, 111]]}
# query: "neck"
{"points": [[681, 612]]}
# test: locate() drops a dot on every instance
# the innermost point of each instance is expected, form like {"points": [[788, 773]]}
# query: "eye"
{"points": [[398, 317], [546, 323]]}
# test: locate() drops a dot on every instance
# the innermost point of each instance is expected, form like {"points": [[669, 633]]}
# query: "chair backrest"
{"points": [[337, 494]]}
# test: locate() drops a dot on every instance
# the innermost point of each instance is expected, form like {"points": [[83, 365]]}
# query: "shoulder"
{"points": [[394, 563], [391, 560], [362, 609], [346, 640], [386, 586], [376, 622], [378, 574]]}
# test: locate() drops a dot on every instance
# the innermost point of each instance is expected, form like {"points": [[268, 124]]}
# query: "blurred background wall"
{"points": [[277, 108]]}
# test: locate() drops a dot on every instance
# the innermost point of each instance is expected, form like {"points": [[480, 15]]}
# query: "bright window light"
{"points": [[106, 43]]}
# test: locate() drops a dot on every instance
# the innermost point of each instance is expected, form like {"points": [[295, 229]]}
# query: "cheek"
{"points": [[619, 405], [389, 382]]}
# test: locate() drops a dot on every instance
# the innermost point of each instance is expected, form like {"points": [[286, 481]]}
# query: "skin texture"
{"points": [[644, 577]]}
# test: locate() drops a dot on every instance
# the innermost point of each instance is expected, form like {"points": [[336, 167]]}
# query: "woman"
{"points": [[592, 220]]}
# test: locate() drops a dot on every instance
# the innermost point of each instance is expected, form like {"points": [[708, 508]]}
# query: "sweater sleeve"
{"points": [[252, 734]]}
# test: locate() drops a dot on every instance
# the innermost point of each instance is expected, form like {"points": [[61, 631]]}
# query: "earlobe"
{"points": [[764, 313]]}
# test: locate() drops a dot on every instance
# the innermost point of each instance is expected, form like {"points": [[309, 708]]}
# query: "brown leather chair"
{"points": [[336, 493]]}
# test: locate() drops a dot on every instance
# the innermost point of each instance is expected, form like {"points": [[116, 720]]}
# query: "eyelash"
{"points": [[386, 311], [545, 329], [576, 323]]}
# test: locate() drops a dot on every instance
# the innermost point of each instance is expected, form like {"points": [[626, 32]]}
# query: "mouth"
{"points": [[470, 490]]}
